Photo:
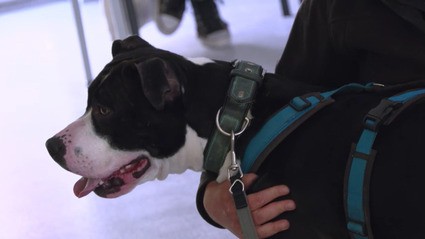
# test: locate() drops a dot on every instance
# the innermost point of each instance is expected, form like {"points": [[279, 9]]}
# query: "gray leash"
{"points": [[237, 189]]}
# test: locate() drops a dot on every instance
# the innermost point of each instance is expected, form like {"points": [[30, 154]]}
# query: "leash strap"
{"points": [[284, 122], [246, 77], [237, 189], [360, 162]]}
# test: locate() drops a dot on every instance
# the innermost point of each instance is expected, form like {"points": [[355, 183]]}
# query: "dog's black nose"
{"points": [[57, 150]]}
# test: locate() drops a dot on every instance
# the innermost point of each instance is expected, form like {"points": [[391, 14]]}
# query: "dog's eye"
{"points": [[104, 110]]}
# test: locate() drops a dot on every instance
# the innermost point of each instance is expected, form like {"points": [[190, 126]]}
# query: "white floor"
{"points": [[43, 88]]}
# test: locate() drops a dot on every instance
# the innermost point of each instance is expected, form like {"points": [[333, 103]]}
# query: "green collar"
{"points": [[246, 78]]}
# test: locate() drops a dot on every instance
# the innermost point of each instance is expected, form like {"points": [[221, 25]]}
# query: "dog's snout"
{"points": [[57, 150]]}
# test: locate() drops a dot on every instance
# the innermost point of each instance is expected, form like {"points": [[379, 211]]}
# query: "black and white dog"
{"points": [[149, 114]]}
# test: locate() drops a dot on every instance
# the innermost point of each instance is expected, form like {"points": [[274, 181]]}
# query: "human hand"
{"points": [[219, 205]]}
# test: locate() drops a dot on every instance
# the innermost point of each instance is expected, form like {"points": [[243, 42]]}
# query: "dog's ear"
{"points": [[128, 44], [159, 82]]}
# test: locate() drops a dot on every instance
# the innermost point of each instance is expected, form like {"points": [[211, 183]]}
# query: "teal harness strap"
{"points": [[286, 121], [360, 163]]}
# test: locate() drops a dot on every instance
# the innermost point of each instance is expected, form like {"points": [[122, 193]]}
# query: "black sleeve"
{"points": [[206, 178], [312, 54]]}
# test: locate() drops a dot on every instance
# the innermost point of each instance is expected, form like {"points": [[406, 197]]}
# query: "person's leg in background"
{"points": [[212, 30], [169, 15]]}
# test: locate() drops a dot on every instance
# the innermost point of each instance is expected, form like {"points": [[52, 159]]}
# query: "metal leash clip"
{"points": [[234, 168]]}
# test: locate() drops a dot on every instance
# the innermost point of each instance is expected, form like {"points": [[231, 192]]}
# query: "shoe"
{"points": [[169, 14], [212, 31]]}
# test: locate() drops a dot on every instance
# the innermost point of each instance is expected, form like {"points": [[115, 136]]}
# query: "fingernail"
{"points": [[290, 205], [285, 189], [284, 225]]}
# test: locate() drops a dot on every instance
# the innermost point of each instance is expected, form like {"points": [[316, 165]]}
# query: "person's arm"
{"points": [[216, 206], [206, 178]]}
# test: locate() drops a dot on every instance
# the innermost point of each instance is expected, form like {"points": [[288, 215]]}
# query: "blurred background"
{"points": [[45, 66]]}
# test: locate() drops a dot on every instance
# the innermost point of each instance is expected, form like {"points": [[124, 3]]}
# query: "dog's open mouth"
{"points": [[112, 184]]}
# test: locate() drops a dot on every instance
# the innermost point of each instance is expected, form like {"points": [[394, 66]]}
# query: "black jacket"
{"points": [[334, 42]]}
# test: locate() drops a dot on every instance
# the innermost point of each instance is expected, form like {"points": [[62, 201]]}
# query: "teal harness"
{"points": [[361, 159], [359, 165]]}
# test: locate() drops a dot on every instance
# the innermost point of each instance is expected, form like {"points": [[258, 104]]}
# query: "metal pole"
{"points": [[81, 37], [131, 16], [285, 8]]}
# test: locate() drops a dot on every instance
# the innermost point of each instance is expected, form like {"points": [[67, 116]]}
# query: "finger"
{"points": [[248, 179], [271, 211], [271, 228], [261, 198]]}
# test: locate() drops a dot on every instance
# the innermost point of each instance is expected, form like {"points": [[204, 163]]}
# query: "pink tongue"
{"points": [[85, 186]]}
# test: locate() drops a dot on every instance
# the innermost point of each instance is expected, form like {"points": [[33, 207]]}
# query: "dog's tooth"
{"points": [[101, 182], [129, 166], [122, 170]]}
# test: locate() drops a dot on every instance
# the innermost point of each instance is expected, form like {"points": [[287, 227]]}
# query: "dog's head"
{"points": [[134, 128]]}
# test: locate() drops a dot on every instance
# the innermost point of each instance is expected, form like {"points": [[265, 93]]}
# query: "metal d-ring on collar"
{"points": [[217, 123]]}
